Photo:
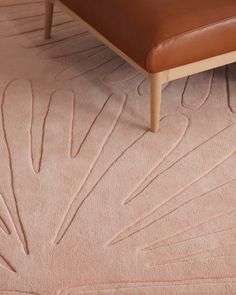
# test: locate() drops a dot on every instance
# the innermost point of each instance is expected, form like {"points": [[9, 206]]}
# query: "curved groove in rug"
{"points": [[4, 227], [192, 173], [6, 264], [152, 287], [231, 88], [69, 47], [92, 63], [32, 27], [156, 244], [193, 96], [76, 204], [120, 74], [169, 150], [14, 212]]}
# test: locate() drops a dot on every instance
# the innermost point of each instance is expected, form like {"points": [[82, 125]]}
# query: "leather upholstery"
{"points": [[163, 34]]}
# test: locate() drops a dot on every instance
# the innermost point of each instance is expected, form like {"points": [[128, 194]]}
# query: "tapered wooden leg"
{"points": [[49, 5], [156, 86]]}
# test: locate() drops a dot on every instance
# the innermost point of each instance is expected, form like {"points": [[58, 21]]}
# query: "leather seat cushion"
{"points": [[163, 34]]}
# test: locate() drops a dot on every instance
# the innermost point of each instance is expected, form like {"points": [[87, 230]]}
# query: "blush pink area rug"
{"points": [[91, 202]]}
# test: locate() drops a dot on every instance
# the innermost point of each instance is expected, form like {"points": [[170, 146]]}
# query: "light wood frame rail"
{"points": [[156, 79]]}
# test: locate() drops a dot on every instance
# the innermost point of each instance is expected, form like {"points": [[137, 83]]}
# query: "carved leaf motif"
{"points": [[87, 194]]}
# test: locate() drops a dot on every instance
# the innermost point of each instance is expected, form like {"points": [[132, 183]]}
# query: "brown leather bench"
{"points": [[164, 39]]}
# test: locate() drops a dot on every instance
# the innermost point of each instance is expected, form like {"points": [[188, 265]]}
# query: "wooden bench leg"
{"points": [[49, 5], [156, 86]]}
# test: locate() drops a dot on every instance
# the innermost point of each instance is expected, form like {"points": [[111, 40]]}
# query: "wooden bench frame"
{"points": [[156, 79]]}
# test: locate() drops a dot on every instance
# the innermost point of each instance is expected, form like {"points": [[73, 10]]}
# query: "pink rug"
{"points": [[91, 202]]}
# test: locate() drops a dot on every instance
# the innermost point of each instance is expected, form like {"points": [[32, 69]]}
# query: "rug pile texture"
{"points": [[92, 202]]}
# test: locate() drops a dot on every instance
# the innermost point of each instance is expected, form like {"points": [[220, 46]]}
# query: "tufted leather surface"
{"points": [[163, 34]]}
